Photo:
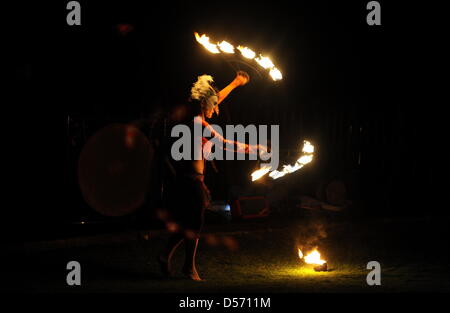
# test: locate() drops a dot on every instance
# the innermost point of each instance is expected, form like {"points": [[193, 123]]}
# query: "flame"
{"points": [[226, 47], [291, 169], [204, 41], [265, 62], [287, 169], [312, 258], [276, 174], [246, 52], [308, 147], [307, 157], [275, 74], [261, 172]]}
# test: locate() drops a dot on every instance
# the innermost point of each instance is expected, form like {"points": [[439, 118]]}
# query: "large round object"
{"points": [[114, 169]]}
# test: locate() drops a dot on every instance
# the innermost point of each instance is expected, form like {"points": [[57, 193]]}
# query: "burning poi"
{"points": [[305, 158], [227, 48]]}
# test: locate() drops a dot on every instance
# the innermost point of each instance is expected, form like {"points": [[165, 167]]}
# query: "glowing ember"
{"points": [[275, 74], [260, 173], [246, 52], [226, 47], [300, 254], [265, 62], [204, 41]]}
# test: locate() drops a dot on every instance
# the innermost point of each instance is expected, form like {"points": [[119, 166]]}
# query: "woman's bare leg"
{"points": [[189, 268], [165, 258]]}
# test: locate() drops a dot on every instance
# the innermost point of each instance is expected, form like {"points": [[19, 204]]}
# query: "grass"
{"points": [[257, 261]]}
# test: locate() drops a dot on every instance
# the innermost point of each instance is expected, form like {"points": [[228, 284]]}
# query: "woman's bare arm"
{"points": [[241, 79], [230, 145]]}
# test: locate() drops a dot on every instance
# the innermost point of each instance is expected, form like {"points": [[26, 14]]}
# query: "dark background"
{"points": [[365, 95]]}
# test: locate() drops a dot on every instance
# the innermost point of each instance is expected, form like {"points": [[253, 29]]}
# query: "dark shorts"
{"points": [[188, 199]]}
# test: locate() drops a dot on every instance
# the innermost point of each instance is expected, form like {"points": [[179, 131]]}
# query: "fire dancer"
{"points": [[189, 196]]}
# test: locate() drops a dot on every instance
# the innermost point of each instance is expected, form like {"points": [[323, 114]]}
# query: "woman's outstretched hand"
{"points": [[242, 78], [264, 150]]}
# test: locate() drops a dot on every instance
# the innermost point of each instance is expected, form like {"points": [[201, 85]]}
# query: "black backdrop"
{"points": [[365, 95]]}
